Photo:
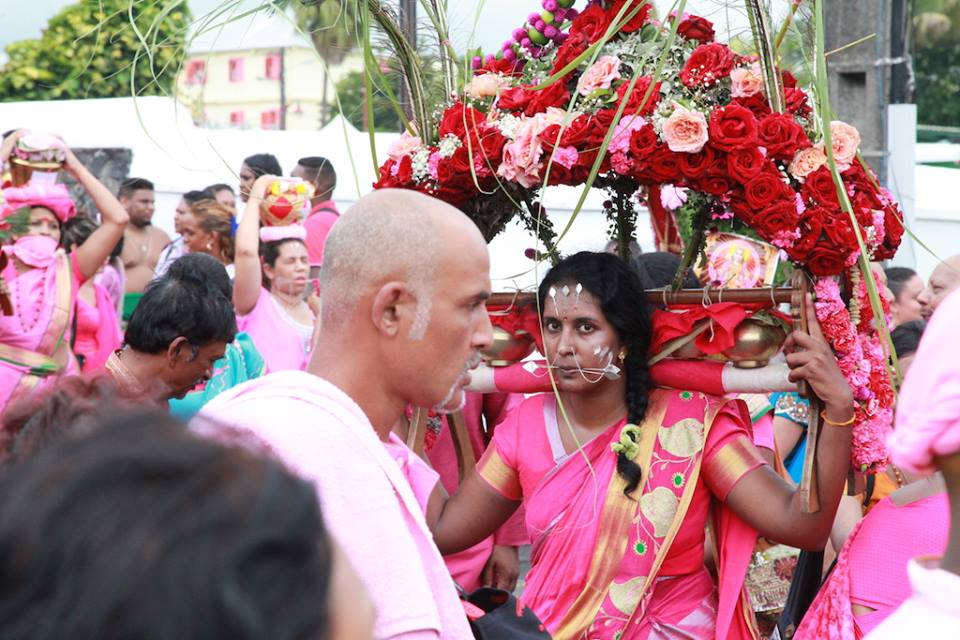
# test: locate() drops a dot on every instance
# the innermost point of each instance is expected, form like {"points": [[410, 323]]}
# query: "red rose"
{"points": [[499, 65], [514, 99], [458, 118], [556, 95], [575, 135], [811, 230], [732, 127], [789, 80], [743, 164], [826, 260], [644, 142], [840, 232], [757, 104], [572, 47], [490, 148], [820, 188], [639, 18], [592, 23], [763, 190], [697, 28], [405, 170], [696, 165], [386, 179], [636, 97], [461, 160], [664, 166], [796, 102], [707, 64], [598, 126], [780, 216], [716, 184], [782, 136], [893, 233]]}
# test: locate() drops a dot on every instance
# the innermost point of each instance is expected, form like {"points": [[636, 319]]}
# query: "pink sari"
{"points": [[34, 341], [98, 330], [605, 566]]}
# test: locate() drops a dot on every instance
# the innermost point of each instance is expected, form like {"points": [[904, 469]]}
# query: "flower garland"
{"points": [[856, 342]]}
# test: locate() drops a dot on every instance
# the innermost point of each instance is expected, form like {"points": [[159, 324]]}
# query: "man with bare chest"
{"points": [[142, 242]]}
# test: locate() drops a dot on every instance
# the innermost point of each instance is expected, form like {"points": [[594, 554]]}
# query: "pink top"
{"points": [[368, 505], [98, 330], [871, 569], [32, 294], [418, 473], [933, 611], [318, 224], [928, 409], [282, 341]]}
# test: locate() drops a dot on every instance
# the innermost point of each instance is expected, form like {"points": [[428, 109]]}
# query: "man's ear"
{"points": [[178, 350], [385, 312]]}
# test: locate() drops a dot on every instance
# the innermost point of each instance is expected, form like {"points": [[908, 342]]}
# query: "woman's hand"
{"points": [[259, 188], [9, 143], [811, 359]]}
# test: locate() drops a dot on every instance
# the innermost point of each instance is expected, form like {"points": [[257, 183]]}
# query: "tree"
{"points": [[91, 49], [936, 33], [351, 93], [332, 27]]}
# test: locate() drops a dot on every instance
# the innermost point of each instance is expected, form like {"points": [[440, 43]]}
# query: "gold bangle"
{"points": [[823, 414]]}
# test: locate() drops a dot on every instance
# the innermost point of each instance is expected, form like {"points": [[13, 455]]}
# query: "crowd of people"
{"points": [[205, 437]]}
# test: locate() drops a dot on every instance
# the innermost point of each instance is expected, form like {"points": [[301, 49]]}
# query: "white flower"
{"points": [[420, 164], [448, 145]]}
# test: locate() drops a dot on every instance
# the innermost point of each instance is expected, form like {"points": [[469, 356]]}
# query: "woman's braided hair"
{"points": [[621, 296]]}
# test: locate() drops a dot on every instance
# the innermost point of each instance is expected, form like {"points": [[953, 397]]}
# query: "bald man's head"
{"points": [[390, 234], [405, 277], [944, 279]]}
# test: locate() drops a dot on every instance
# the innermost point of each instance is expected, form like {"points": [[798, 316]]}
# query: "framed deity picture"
{"points": [[737, 262]]}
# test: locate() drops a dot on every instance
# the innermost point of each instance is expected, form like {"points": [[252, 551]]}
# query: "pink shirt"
{"points": [[368, 506], [318, 224], [282, 341], [933, 611]]}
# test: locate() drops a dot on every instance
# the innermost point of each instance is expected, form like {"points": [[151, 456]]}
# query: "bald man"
{"points": [[944, 279], [403, 319]]}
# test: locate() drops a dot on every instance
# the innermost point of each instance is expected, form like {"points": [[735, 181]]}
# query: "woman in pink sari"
{"points": [[271, 280], [44, 280], [620, 481]]}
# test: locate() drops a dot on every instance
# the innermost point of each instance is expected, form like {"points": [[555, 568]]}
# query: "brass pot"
{"points": [[756, 343], [508, 348]]}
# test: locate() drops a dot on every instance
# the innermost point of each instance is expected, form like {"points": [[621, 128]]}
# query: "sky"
{"points": [[494, 19]]}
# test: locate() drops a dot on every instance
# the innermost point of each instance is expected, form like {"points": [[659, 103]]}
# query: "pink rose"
{"points": [[846, 142], [521, 157], [486, 85], [746, 81], [808, 160], [620, 142], [405, 145], [685, 131], [600, 75], [433, 165]]}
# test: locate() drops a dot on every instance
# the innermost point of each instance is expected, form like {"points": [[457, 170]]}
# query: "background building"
{"points": [[258, 74]]}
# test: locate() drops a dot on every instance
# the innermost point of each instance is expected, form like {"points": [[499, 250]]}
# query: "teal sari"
{"points": [[240, 362]]}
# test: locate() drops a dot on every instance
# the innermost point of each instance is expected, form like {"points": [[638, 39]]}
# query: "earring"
{"points": [[622, 356], [209, 246]]}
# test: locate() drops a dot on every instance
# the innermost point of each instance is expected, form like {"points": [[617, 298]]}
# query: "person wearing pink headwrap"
{"points": [[926, 438], [269, 286], [43, 280]]}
